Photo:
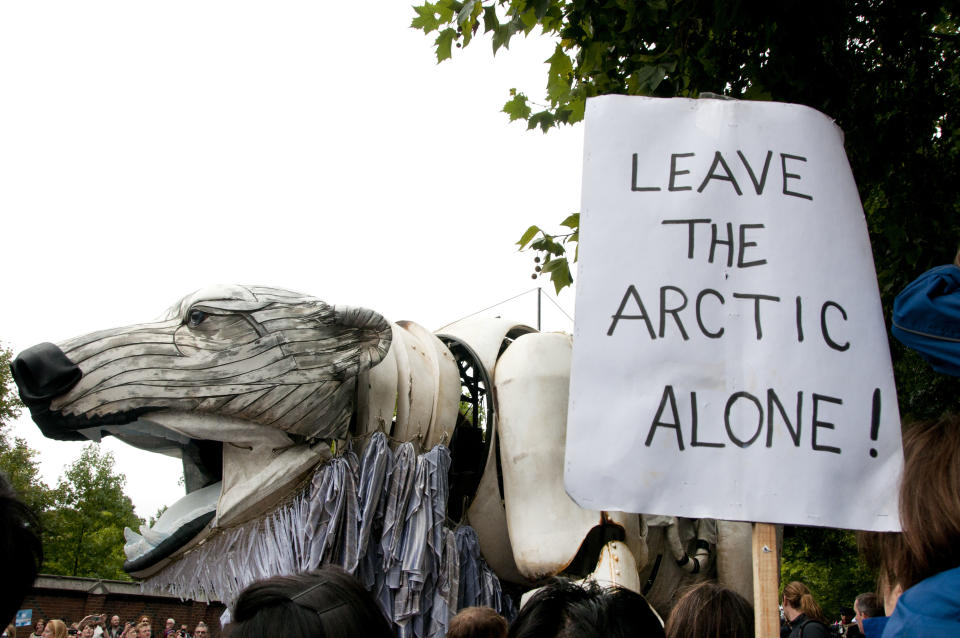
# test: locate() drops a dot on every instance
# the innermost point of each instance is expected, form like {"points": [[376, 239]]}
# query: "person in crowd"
{"points": [[130, 631], [567, 609], [927, 565], [170, 628], [710, 610], [325, 602], [21, 547], [114, 629], [201, 631], [477, 622], [10, 631], [144, 630], [866, 606], [55, 629], [38, 628], [840, 627], [802, 612], [183, 632], [86, 630]]}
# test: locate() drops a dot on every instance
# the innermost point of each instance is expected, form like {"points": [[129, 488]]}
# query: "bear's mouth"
{"points": [[233, 471]]}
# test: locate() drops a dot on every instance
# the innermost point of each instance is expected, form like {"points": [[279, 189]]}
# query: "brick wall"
{"points": [[71, 599]]}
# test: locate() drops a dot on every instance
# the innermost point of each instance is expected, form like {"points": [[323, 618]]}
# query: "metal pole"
{"points": [[539, 292]]}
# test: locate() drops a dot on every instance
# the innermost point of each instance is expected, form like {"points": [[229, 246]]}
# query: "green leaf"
{"points": [[559, 76], [572, 221], [490, 20], [443, 43], [559, 270], [502, 35], [529, 234], [426, 18], [517, 107], [543, 119]]}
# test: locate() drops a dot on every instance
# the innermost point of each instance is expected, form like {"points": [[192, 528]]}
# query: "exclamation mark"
{"points": [[875, 420]]}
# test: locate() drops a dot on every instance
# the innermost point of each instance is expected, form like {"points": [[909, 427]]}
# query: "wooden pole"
{"points": [[766, 581]]}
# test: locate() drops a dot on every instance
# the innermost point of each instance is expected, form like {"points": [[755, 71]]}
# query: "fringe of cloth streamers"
{"points": [[381, 519]]}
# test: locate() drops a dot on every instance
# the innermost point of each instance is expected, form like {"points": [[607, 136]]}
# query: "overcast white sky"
{"points": [[149, 149]]}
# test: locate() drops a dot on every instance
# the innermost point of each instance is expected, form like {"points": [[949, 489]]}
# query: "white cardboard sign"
{"points": [[730, 356]]}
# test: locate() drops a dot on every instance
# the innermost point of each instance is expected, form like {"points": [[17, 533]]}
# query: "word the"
{"points": [[717, 240]]}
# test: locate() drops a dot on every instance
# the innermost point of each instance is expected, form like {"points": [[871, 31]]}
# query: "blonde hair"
{"points": [[57, 628], [799, 597]]}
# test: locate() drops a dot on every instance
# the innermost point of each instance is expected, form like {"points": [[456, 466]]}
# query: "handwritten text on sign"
{"points": [[729, 346]]}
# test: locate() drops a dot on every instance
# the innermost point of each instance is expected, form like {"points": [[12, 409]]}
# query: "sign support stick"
{"points": [[765, 581]]}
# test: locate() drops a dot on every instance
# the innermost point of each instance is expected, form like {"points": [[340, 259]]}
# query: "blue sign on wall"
{"points": [[24, 617]]}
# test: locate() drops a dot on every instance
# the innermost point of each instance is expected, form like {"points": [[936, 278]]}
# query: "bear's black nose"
{"points": [[43, 372]]}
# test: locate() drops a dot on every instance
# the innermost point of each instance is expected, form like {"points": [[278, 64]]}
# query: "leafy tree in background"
{"points": [[10, 405], [887, 72], [827, 561], [17, 460], [85, 526]]}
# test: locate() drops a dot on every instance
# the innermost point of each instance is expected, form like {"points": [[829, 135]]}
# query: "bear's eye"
{"points": [[195, 318]]}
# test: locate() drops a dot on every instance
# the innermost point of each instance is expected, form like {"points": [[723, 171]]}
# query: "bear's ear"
{"points": [[366, 336]]}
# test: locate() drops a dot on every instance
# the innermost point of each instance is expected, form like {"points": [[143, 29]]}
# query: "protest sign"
{"points": [[730, 357], [24, 618]]}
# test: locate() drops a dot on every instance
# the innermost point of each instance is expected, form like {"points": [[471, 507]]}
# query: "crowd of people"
{"points": [[97, 626]]}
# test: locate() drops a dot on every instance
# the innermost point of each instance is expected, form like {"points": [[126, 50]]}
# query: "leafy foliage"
{"points": [[9, 401], [887, 72], [84, 529], [827, 561]]}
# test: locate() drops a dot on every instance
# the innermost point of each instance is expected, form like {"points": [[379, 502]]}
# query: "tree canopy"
{"points": [[887, 72]]}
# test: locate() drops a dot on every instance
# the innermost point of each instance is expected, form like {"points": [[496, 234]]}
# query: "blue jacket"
{"points": [[926, 317], [929, 608]]}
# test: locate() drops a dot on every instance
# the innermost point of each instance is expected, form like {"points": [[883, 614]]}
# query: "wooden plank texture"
{"points": [[766, 610]]}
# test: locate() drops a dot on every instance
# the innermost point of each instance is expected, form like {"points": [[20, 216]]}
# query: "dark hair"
{"points": [[326, 602], [929, 501], [477, 622], [709, 610], [869, 605], [20, 543], [564, 609]]}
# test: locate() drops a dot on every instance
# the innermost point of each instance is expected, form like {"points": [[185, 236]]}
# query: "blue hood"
{"points": [[929, 608], [926, 317]]}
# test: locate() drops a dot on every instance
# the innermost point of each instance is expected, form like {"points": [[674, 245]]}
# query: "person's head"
{"points": [[20, 543], [929, 501], [867, 605], [86, 631], [709, 609], [846, 615], [325, 602], [170, 623], [477, 622], [797, 600], [38, 628], [201, 630], [144, 630], [115, 621], [55, 629], [566, 609]]}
